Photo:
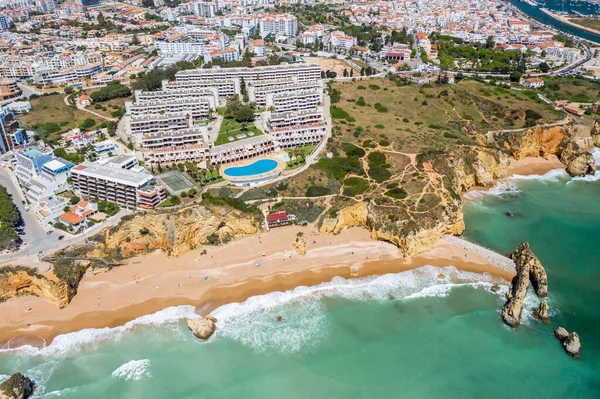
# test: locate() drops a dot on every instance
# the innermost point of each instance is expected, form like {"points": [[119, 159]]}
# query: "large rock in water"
{"points": [[511, 312], [582, 165], [17, 387], [525, 256], [203, 327], [528, 266], [570, 341], [541, 313]]}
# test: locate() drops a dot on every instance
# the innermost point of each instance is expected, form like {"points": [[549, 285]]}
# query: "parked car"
{"points": [[61, 237], [50, 232]]}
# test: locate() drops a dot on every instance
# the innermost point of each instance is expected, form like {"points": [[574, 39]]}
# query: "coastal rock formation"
{"points": [[176, 232], [541, 313], [528, 267], [300, 244], [17, 387], [511, 311], [539, 141], [582, 165], [570, 341], [571, 143], [411, 236], [477, 167], [523, 255], [22, 280], [203, 327]]}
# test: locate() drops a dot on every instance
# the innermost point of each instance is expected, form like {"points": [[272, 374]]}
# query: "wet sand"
{"points": [[153, 282]]}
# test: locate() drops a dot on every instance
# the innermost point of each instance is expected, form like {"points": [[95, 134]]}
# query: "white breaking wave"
{"points": [[133, 370], [74, 341], [596, 176], [293, 320]]}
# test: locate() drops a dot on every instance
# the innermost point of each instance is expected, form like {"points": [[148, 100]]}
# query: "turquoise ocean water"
{"points": [[407, 335]]}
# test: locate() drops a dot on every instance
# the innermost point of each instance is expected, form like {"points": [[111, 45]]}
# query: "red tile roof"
{"points": [[71, 218], [275, 217]]}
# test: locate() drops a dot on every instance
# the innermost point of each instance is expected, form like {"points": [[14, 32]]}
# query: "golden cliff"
{"points": [[175, 232], [16, 281]]}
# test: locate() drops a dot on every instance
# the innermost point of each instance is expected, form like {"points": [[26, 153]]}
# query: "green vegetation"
{"points": [[9, 218], [479, 57], [576, 89], [317, 191], [171, 200], [339, 113], [153, 80], [338, 167], [352, 151], [397, 193], [109, 208], [50, 116], [75, 158], [354, 186], [380, 108], [114, 89]]}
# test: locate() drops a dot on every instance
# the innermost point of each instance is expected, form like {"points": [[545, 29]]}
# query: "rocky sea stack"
{"points": [[203, 327], [541, 313], [570, 341], [17, 387], [529, 268]]}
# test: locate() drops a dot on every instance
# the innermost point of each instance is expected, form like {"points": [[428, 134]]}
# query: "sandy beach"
{"points": [[225, 274], [534, 166], [230, 273]]}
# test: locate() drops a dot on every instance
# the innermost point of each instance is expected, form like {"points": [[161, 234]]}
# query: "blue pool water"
{"points": [[256, 168]]}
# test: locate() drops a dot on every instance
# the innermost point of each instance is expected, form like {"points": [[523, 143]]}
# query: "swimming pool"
{"points": [[256, 168]]}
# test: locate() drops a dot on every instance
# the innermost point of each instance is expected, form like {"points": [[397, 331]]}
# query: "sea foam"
{"points": [[65, 343], [297, 319], [133, 370]]}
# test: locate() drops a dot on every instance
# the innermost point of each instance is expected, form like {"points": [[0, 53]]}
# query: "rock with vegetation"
{"points": [[541, 313], [176, 232], [17, 387], [203, 327], [570, 341], [300, 244], [20, 280]]}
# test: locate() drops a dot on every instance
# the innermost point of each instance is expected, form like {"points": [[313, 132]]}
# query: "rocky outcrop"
{"points": [[300, 244], [17, 387], [539, 141], [26, 281], [175, 232], [523, 255], [477, 167], [412, 237], [529, 268], [571, 143], [570, 341], [511, 312], [541, 313], [203, 327], [581, 165]]}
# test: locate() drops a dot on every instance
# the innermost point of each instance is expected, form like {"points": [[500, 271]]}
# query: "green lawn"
{"points": [[231, 128]]}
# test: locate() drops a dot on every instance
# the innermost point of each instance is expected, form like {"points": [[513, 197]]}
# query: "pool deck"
{"points": [[281, 165]]}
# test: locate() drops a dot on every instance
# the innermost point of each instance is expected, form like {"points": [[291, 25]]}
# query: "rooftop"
{"points": [[113, 174]]}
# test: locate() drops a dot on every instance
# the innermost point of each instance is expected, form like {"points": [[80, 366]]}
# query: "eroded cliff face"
{"points": [[22, 281], [411, 236], [176, 232], [476, 167]]}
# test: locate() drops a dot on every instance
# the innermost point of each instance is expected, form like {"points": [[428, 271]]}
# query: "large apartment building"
{"points": [[296, 72], [131, 189], [176, 146], [294, 100], [144, 124], [290, 129], [259, 90], [11, 132]]}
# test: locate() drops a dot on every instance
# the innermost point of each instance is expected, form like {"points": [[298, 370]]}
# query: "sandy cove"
{"points": [[149, 283], [153, 282]]}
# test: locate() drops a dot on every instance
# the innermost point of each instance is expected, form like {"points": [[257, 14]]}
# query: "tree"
{"points": [[244, 114], [544, 67], [489, 42], [74, 199], [244, 90]]}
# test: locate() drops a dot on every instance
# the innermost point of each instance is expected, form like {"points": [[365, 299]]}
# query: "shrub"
{"points": [[339, 113], [396, 192], [384, 143], [380, 126], [376, 158], [352, 151], [374, 87], [379, 173], [530, 114], [355, 186], [361, 102], [317, 191], [361, 87], [380, 108], [405, 120]]}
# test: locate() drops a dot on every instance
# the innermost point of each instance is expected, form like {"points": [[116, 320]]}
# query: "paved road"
{"points": [[36, 234]]}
